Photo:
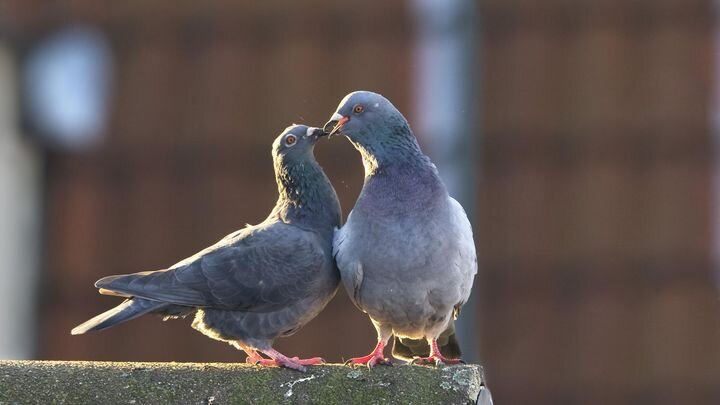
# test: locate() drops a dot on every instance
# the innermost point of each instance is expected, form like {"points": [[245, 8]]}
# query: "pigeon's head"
{"points": [[296, 143], [367, 118]]}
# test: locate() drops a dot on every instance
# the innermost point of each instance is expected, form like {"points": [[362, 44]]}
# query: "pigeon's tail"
{"points": [[129, 309], [407, 349]]}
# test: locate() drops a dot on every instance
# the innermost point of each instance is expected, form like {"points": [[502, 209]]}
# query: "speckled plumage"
{"points": [[406, 253], [258, 283]]}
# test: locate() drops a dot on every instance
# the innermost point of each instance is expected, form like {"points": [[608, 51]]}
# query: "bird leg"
{"points": [[376, 357], [279, 359], [253, 357], [276, 358], [435, 357]]}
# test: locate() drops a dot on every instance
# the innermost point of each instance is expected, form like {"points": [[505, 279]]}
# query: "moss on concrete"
{"points": [[51, 382]]}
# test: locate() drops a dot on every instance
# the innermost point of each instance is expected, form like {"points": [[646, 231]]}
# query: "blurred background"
{"points": [[580, 135]]}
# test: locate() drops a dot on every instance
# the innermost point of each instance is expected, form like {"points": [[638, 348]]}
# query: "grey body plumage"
{"points": [[406, 253], [258, 283]]}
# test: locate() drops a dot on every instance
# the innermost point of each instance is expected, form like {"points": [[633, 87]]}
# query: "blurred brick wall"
{"points": [[594, 194], [595, 205]]}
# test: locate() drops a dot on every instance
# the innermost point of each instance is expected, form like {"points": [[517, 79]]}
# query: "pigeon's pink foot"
{"points": [[376, 357], [253, 358], [252, 355], [286, 362], [295, 363], [310, 362], [435, 358]]}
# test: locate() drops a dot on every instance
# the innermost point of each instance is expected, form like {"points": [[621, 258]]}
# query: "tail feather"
{"points": [[129, 309]]}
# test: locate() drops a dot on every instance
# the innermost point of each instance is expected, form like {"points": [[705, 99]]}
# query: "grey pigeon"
{"points": [[258, 283], [406, 254]]}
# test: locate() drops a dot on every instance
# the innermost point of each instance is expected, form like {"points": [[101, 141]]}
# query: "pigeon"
{"points": [[258, 283], [406, 252]]}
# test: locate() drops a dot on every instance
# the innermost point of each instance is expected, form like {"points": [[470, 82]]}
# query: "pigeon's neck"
{"points": [[306, 197], [398, 151]]}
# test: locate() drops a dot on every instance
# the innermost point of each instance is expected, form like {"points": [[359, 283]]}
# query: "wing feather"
{"points": [[262, 269]]}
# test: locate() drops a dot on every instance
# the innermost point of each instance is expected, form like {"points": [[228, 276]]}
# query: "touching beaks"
{"points": [[315, 132], [335, 124]]}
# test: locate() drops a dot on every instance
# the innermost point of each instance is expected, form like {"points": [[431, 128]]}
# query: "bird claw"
{"points": [[370, 361], [254, 360], [309, 362], [382, 362], [294, 363]]}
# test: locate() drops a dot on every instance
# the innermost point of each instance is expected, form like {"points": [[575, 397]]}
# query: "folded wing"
{"points": [[260, 270]]}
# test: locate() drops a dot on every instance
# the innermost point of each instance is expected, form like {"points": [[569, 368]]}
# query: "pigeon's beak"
{"points": [[335, 124], [316, 133]]}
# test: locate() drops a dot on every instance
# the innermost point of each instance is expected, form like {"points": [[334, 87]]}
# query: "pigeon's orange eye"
{"points": [[290, 140], [358, 108]]}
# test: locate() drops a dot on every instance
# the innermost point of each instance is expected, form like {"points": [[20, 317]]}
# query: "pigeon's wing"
{"points": [[258, 270], [350, 268], [466, 257]]}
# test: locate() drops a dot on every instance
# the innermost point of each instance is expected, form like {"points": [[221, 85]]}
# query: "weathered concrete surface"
{"points": [[54, 382]]}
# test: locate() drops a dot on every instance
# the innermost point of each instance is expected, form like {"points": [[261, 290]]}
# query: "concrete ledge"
{"points": [[54, 382]]}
